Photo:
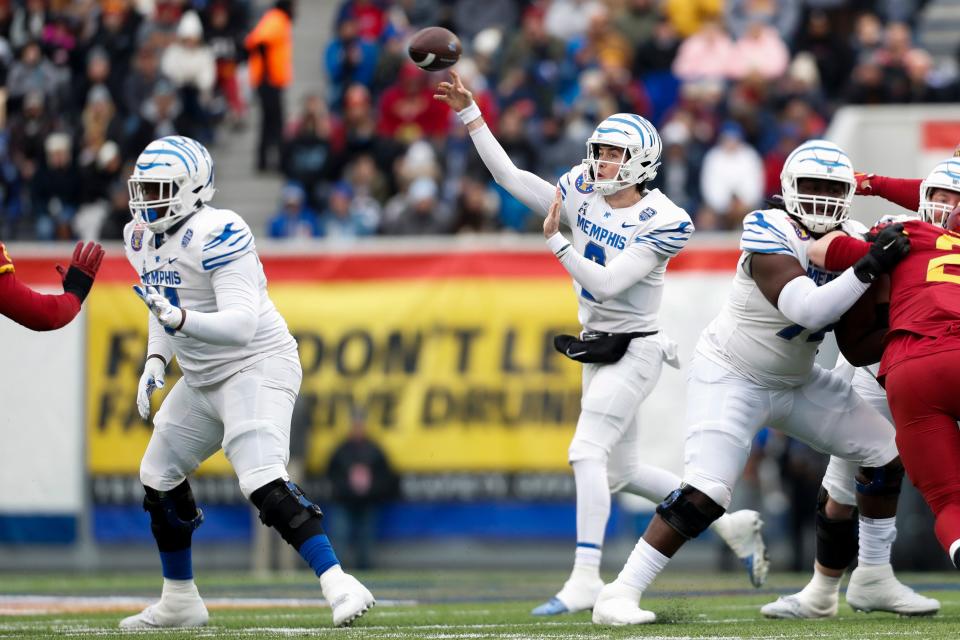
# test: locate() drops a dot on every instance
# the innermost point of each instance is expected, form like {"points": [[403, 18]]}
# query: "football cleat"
{"points": [[175, 610], [802, 605], [743, 534], [875, 588], [347, 597], [576, 595], [619, 605]]}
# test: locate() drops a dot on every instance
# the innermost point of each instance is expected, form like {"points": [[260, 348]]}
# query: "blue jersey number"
{"points": [[170, 293], [791, 332], [594, 252]]}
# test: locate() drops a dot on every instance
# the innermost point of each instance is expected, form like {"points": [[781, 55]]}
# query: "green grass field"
{"points": [[445, 606]]}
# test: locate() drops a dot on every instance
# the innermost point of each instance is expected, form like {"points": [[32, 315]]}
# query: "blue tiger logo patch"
{"points": [[187, 237]]}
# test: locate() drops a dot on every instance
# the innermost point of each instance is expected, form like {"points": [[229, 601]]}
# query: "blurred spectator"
{"points": [[420, 13], [567, 19], [27, 22], [309, 158], [141, 83], [830, 50], [344, 220], [476, 208], [760, 50], [56, 190], [534, 52], [368, 184], [295, 218], [638, 20], [97, 73], [162, 115], [224, 24], [99, 122], [707, 54], [118, 33], [689, 16], [731, 181], [679, 169], [32, 73], [408, 111], [561, 147], [601, 45], [270, 46], [190, 66], [349, 59], [774, 159], [100, 174], [362, 482], [368, 17], [470, 18], [417, 212], [782, 15], [28, 134]]}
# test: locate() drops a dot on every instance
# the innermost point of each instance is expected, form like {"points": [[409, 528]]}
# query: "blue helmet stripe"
{"points": [[167, 152], [632, 124], [182, 146]]}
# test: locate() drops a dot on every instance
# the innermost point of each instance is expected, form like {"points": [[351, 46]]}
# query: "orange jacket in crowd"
{"points": [[273, 36]]}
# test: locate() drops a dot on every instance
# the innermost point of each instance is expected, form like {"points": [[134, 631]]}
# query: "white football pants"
{"points": [[725, 410], [840, 477], [248, 415]]}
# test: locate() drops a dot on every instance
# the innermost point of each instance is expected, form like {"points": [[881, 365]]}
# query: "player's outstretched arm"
{"points": [[602, 281], [902, 191], [42, 312], [533, 191]]}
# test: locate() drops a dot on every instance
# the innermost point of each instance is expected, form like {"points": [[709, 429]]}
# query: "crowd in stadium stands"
{"points": [[87, 84], [732, 86]]}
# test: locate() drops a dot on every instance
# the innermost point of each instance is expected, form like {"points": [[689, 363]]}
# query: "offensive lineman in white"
{"points": [[623, 237], [207, 295], [836, 533], [754, 366]]}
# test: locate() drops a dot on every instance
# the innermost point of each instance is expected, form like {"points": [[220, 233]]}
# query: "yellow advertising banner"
{"points": [[452, 374]]}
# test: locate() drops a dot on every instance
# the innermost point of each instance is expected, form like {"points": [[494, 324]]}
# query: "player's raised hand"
{"points": [[864, 188], [167, 313], [551, 224], [890, 247], [151, 380], [455, 94], [84, 265]]}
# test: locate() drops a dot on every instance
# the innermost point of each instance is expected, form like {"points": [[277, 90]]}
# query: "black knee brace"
{"points": [[689, 511], [283, 506], [174, 516], [836, 539], [881, 481]]}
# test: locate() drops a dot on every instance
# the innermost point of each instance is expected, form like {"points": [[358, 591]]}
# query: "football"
{"points": [[434, 48]]}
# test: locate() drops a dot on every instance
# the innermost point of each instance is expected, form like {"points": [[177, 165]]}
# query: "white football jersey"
{"points": [[181, 268], [600, 233], [750, 334]]}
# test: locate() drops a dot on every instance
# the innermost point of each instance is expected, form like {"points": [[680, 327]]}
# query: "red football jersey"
{"points": [[924, 296]]}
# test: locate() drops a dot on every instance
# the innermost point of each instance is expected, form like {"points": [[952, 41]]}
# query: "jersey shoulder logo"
{"points": [[187, 237], [802, 233], [582, 188], [136, 238], [647, 213]]}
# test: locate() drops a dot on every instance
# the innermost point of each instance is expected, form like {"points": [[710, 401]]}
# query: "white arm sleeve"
{"points": [[157, 342], [536, 193], [237, 288], [813, 307], [606, 281]]}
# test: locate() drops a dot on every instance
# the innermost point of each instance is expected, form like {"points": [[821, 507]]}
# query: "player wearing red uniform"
{"points": [[918, 361], [902, 191], [42, 312]]}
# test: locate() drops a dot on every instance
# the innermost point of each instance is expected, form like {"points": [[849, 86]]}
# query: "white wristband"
{"points": [[470, 114]]}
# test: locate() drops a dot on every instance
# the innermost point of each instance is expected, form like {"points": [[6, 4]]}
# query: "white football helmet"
{"points": [[173, 177], [945, 175], [642, 148], [821, 160]]}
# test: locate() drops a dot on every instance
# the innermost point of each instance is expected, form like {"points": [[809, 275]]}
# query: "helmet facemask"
{"points": [[811, 204], [156, 201], [939, 192]]}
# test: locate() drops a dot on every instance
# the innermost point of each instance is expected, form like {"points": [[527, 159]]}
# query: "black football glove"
{"points": [[888, 248]]}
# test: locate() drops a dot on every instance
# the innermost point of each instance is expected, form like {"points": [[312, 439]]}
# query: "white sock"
{"points": [[593, 501], [822, 586], [721, 526], [652, 483], [643, 565], [587, 558], [178, 587], [876, 539]]}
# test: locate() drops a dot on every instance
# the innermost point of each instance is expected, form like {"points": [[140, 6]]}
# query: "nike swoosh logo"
{"points": [[626, 226], [574, 354], [172, 260]]}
